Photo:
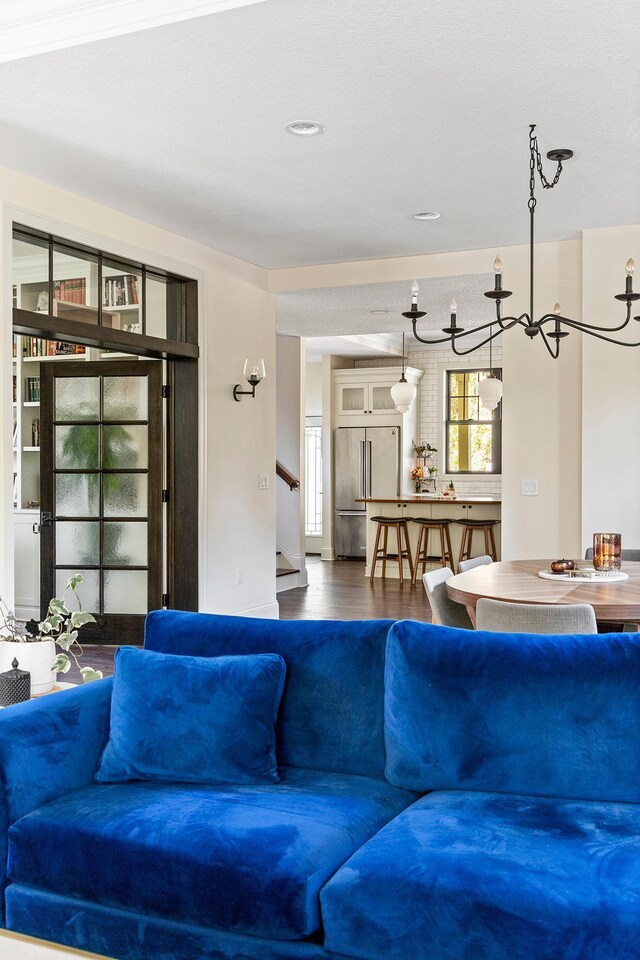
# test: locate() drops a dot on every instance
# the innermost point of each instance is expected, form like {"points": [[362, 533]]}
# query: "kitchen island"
{"points": [[428, 506]]}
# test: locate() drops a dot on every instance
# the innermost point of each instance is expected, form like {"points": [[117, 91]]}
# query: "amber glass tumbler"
{"points": [[607, 551]]}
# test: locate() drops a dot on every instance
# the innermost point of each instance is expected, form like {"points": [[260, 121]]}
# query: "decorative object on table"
{"points": [[37, 646], [607, 551], [417, 475], [253, 372], [403, 393], [561, 566], [532, 327], [449, 490], [591, 575], [15, 685]]}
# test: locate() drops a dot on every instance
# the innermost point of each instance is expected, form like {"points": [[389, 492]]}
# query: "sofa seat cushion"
{"points": [[249, 859], [492, 877]]}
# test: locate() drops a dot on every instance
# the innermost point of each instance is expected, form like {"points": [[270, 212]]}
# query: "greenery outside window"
{"points": [[473, 433]]}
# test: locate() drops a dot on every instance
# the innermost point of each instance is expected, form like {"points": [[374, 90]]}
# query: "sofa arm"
{"points": [[51, 746]]}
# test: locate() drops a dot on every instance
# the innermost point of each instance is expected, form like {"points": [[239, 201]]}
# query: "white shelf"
{"points": [[31, 449], [64, 356], [31, 403], [123, 307]]}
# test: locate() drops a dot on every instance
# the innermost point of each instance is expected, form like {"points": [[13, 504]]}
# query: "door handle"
{"points": [[36, 528], [45, 520]]}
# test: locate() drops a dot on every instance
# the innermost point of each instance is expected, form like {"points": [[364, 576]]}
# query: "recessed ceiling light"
{"points": [[379, 311], [427, 215], [304, 128]]}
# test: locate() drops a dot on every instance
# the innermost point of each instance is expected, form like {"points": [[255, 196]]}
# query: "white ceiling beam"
{"points": [[27, 29]]}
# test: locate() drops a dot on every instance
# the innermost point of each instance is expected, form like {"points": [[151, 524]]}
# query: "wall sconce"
{"points": [[254, 372]]}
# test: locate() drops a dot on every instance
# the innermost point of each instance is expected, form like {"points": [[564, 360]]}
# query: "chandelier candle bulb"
{"points": [[454, 309], [557, 310]]}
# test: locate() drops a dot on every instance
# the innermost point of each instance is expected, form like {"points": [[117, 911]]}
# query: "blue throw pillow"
{"points": [[193, 719]]}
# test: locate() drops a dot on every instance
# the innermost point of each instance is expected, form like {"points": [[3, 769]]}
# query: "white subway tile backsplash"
{"points": [[434, 363]]}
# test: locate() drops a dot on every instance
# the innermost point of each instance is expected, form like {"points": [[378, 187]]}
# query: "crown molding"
{"points": [[56, 24]]}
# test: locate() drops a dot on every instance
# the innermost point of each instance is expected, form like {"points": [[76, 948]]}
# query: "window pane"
{"points": [[77, 495], [455, 408], [125, 494], [124, 447], [77, 398], [125, 398], [125, 544], [31, 264], [77, 543], [480, 448], [456, 384], [472, 384], [125, 591], [121, 297], [454, 448], [75, 285], [160, 294], [77, 448], [471, 408], [88, 590]]}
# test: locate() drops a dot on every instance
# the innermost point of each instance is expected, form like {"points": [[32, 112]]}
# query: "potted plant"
{"points": [[423, 450], [37, 652]]}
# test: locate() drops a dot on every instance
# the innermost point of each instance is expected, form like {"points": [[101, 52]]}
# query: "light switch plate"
{"points": [[529, 488], [264, 481]]}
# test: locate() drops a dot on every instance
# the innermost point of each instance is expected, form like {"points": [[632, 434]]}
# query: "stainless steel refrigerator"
{"points": [[366, 463]]}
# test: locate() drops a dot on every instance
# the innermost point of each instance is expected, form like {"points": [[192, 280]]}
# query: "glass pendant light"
{"points": [[403, 393], [490, 389]]}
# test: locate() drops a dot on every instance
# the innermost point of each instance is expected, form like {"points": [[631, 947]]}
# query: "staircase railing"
{"points": [[288, 478]]}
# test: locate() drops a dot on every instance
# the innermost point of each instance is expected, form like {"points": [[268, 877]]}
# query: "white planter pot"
{"points": [[38, 658]]}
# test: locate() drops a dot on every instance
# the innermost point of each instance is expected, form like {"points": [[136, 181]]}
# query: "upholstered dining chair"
{"points": [[499, 616], [474, 562], [445, 611]]}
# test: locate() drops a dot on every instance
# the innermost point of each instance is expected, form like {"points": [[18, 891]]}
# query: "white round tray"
{"points": [[599, 577]]}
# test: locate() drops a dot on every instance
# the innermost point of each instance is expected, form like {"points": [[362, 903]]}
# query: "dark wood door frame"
{"points": [[182, 431]]}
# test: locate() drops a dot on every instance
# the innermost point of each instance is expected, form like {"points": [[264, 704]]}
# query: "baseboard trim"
{"points": [[268, 611]]}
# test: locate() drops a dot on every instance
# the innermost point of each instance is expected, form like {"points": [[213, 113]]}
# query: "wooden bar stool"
{"points": [[439, 528], [382, 552], [469, 528]]}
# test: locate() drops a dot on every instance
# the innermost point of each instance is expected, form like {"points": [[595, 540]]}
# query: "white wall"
{"points": [[237, 318], [289, 448], [611, 392], [313, 389], [542, 406]]}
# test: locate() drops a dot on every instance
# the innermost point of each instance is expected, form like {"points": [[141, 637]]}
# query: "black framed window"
{"points": [[473, 433]]}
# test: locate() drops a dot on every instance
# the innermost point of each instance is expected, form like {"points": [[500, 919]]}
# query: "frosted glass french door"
{"points": [[101, 490]]}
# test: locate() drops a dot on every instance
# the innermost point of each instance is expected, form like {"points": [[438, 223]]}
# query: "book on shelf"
{"points": [[35, 432], [121, 291], [32, 389], [73, 290], [36, 347], [15, 434]]}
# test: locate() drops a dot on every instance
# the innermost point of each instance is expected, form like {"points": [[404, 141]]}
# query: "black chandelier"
{"points": [[532, 328]]}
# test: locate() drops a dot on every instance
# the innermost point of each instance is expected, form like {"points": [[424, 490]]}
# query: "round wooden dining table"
{"points": [[517, 581]]}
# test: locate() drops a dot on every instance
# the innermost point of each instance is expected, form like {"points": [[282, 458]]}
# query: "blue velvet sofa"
{"points": [[444, 795]]}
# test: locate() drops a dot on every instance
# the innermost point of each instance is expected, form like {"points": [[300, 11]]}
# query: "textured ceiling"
{"points": [[426, 106], [331, 311]]}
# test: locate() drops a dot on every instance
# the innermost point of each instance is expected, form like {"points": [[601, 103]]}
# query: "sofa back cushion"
{"points": [[516, 713], [331, 713]]}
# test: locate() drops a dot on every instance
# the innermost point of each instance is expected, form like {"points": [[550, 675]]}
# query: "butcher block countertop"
{"points": [[426, 498]]}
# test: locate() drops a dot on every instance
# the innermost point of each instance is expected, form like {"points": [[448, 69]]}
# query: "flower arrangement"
{"points": [[417, 473], [60, 625]]}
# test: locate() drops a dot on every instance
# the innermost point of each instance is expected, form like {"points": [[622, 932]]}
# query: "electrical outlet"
{"points": [[239, 575], [263, 480], [529, 488]]}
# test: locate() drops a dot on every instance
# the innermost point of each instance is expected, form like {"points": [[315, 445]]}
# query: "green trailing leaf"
{"points": [[73, 582], [61, 663], [89, 674], [66, 640], [78, 619], [58, 607]]}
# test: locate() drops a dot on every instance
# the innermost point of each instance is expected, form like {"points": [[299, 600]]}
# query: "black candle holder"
{"points": [[15, 685]]}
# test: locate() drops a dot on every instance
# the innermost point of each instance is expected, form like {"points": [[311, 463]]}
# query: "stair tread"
{"points": [[283, 571]]}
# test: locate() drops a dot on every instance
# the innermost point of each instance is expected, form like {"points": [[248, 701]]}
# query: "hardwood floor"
{"points": [[337, 590]]}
